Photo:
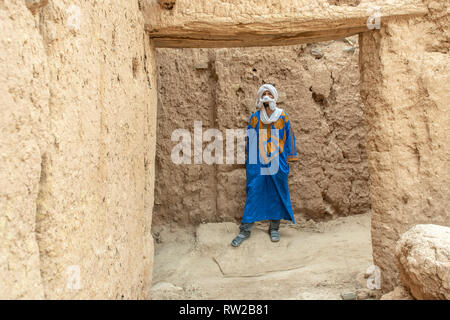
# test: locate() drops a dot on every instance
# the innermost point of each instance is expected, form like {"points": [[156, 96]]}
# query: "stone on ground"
{"points": [[399, 293], [423, 260]]}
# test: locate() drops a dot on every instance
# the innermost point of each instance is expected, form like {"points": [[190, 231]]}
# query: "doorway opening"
{"points": [[198, 206]]}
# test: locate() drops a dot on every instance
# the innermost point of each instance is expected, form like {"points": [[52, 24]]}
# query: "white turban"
{"points": [[273, 104]]}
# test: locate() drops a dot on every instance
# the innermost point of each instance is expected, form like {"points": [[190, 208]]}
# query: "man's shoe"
{"points": [[274, 235], [238, 240]]}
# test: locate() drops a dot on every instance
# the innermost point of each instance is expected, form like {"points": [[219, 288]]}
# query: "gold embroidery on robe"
{"points": [[266, 147], [253, 121], [279, 124], [275, 145]]}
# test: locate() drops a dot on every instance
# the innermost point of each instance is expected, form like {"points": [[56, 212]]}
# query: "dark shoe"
{"points": [[238, 240], [274, 235], [273, 230]]}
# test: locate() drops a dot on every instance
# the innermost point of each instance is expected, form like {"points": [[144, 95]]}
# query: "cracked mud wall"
{"points": [[405, 72], [77, 151], [319, 89]]}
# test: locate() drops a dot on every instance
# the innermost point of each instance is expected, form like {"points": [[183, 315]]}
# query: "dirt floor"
{"points": [[312, 261]]}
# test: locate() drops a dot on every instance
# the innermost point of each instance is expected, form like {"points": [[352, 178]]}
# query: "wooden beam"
{"points": [[184, 28], [244, 40]]}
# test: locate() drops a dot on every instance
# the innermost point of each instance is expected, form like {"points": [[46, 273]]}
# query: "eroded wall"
{"points": [[24, 125], [405, 72], [319, 89], [77, 152]]}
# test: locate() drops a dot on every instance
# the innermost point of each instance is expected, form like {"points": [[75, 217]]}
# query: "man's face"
{"points": [[267, 93]]}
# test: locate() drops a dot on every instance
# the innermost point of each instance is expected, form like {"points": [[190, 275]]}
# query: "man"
{"points": [[270, 146]]}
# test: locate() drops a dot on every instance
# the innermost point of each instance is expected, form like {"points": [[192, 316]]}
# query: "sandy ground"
{"points": [[312, 261]]}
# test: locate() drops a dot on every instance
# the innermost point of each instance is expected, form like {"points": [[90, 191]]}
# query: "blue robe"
{"points": [[269, 149]]}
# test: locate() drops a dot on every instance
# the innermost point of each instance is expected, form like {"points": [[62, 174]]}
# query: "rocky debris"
{"points": [[364, 285], [423, 260], [365, 294], [359, 281], [399, 293], [348, 295]]}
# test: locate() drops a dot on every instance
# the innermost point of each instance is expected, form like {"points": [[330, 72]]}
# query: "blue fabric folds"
{"points": [[269, 149]]}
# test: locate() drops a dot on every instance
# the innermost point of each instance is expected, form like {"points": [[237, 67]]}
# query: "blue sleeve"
{"points": [[291, 150], [251, 140]]}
